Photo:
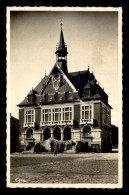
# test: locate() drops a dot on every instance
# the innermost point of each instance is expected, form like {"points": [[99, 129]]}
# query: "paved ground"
{"points": [[64, 168]]}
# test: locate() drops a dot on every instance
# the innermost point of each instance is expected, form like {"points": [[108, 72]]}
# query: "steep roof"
{"points": [[96, 96], [41, 84], [61, 48], [80, 79], [61, 42]]}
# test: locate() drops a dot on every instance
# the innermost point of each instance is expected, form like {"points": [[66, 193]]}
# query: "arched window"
{"points": [[47, 134], [67, 133], [86, 131], [57, 133], [29, 134]]}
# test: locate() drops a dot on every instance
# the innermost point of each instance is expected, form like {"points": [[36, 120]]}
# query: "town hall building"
{"points": [[66, 106]]}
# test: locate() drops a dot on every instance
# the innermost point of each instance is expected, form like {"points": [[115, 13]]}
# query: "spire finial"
{"points": [[61, 23]]}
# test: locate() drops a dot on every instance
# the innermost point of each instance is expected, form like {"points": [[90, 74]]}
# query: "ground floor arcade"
{"points": [[86, 133]]}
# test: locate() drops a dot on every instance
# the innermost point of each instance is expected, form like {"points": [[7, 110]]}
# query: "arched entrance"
{"points": [[86, 131], [29, 134], [57, 133], [67, 133], [47, 134]]}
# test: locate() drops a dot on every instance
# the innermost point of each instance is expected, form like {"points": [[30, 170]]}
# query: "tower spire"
{"points": [[61, 51]]}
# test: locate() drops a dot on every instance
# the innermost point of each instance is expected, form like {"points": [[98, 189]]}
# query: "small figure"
{"points": [[77, 147], [54, 152], [55, 147]]}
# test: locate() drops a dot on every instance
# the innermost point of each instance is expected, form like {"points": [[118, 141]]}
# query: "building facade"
{"points": [[66, 106], [14, 134]]}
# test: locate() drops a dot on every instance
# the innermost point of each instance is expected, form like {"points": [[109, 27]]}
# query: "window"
{"points": [[29, 116], [86, 131], [46, 115], [29, 133], [67, 113], [66, 95], [30, 98], [87, 112], [56, 114], [56, 96], [87, 92], [46, 97]]}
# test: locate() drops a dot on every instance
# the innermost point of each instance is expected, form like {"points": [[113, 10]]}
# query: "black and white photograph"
{"points": [[64, 97]]}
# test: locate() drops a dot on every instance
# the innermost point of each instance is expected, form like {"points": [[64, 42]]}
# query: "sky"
{"points": [[91, 38]]}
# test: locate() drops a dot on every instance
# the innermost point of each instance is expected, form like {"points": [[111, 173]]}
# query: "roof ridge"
{"points": [[79, 71]]}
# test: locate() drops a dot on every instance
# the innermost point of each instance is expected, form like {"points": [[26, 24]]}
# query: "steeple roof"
{"points": [[61, 48], [61, 41]]}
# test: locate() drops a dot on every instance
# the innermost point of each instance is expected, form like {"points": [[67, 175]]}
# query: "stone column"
{"points": [[52, 134], [80, 135], [72, 135], [62, 135]]}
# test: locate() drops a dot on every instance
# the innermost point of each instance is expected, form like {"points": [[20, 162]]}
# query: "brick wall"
{"points": [[37, 118], [97, 123], [101, 115], [76, 116], [21, 119]]}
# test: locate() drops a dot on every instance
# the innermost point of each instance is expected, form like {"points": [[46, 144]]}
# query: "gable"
{"points": [[57, 81]]}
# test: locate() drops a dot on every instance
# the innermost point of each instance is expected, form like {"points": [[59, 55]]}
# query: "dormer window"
{"points": [[56, 96], [30, 98], [87, 92], [66, 95], [46, 97]]}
